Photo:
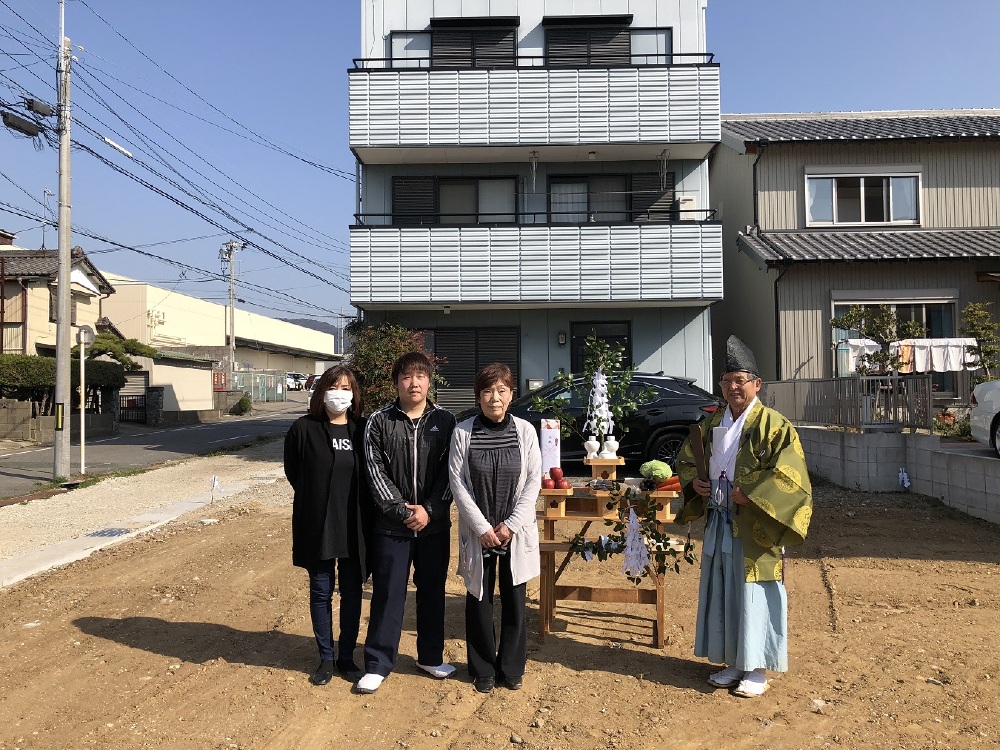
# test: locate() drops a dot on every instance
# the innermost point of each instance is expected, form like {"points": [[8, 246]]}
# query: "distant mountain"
{"points": [[316, 325]]}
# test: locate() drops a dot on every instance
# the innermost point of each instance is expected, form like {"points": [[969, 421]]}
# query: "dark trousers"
{"points": [[391, 561], [485, 659], [321, 583]]}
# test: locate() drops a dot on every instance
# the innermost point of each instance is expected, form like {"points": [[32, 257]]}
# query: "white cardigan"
{"points": [[525, 562]]}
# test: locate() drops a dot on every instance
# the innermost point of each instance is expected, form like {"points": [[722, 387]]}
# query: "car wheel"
{"points": [[666, 447], [996, 435]]}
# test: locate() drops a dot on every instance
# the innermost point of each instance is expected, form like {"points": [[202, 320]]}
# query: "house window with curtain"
{"points": [[862, 199], [478, 201]]}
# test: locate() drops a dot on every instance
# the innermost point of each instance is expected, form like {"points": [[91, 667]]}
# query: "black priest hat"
{"points": [[739, 357]]}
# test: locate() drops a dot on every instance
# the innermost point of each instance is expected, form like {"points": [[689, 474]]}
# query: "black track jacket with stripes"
{"points": [[408, 464]]}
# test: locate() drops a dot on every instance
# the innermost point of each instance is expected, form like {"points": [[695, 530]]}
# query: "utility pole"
{"points": [[64, 319], [227, 253]]}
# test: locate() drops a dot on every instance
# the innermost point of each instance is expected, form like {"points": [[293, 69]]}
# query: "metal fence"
{"points": [[885, 402], [260, 385], [132, 408]]}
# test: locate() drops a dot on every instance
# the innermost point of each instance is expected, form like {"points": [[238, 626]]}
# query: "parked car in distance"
{"points": [[294, 381], [984, 416], [310, 383], [655, 431]]}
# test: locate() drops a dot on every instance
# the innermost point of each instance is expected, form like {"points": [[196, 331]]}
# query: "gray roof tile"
{"points": [[779, 248], [45, 264], [863, 126]]}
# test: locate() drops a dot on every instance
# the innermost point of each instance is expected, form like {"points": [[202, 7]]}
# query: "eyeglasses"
{"points": [[738, 382]]}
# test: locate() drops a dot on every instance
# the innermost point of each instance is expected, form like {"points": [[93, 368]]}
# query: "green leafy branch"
{"points": [[663, 555], [623, 400]]}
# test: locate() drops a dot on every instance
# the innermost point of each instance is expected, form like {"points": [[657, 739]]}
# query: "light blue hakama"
{"points": [[743, 625]]}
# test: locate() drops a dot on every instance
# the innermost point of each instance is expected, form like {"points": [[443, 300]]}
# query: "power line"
{"points": [[266, 291], [339, 172], [159, 191], [316, 234]]}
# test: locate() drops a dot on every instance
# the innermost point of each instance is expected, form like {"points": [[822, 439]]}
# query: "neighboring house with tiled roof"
{"points": [[824, 211], [28, 280]]}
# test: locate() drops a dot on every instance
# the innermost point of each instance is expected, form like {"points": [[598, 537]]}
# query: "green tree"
{"points": [[623, 401], [120, 350], [374, 347], [883, 326], [977, 323]]}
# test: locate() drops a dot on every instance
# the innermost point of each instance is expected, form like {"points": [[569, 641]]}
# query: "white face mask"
{"points": [[337, 402]]}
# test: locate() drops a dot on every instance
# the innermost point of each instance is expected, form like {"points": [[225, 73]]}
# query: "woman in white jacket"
{"points": [[496, 467]]}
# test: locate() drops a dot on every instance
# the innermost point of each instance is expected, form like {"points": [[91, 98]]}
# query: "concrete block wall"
{"points": [[15, 419], [871, 462]]}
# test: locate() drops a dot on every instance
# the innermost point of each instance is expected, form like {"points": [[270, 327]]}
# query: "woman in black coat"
{"points": [[331, 513]]}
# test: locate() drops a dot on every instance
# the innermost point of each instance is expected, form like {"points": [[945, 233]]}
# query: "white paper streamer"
{"points": [[599, 419], [636, 554]]}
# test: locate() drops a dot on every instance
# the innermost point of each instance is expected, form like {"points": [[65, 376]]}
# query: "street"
{"points": [[24, 468]]}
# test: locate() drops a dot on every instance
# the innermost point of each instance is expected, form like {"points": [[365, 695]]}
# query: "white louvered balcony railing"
{"points": [[535, 265], [510, 107]]}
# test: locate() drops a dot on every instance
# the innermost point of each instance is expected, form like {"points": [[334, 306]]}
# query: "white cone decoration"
{"points": [[599, 419], [636, 554]]}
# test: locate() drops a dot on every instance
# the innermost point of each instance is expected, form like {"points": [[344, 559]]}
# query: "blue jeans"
{"points": [[322, 579]]}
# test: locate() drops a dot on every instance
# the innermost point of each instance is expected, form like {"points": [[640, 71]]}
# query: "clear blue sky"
{"points": [[252, 69]]}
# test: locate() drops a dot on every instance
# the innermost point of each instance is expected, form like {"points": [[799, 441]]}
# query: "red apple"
{"points": [[556, 473], [564, 484], [548, 484]]}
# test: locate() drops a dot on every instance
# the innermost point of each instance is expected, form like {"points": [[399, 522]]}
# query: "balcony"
{"points": [[400, 115], [537, 265]]}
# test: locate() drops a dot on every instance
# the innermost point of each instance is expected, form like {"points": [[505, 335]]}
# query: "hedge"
{"points": [[25, 375]]}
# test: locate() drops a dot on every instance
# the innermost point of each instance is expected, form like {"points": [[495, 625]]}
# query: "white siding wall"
{"points": [[525, 106], [379, 17], [535, 264]]}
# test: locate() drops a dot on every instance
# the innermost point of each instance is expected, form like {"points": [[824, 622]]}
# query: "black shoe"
{"points": [[351, 671], [323, 673], [484, 684], [514, 683]]}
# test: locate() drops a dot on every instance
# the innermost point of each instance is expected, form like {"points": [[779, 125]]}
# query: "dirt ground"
{"points": [[198, 636]]}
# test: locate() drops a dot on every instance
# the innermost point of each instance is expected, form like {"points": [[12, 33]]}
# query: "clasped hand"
{"points": [[498, 536], [417, 519], [704, 489]]}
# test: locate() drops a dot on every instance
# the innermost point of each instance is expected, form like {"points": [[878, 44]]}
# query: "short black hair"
{"points": [[412, 362]]}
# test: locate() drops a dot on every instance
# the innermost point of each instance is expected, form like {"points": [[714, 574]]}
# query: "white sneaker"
{"points": [[369, 683], [753, 685], [441, 671], [726, 678]]}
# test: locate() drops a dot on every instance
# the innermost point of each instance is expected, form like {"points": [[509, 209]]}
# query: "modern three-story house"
{"points": [[531, 172]]}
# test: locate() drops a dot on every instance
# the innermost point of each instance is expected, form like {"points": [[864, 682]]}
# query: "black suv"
{"points": [[655, 431]]}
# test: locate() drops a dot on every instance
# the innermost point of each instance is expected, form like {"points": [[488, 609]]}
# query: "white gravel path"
{"points": [[28, 526]]}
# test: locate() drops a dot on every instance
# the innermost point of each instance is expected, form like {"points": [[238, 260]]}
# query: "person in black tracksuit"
{"points": [[406, 453], [331, 514]]}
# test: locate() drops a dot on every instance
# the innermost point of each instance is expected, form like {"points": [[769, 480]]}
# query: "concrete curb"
{"points": [[23, 566]]}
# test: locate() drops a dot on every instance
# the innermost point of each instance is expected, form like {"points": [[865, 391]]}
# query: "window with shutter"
{"points": [[474, 48], [653, 200], [467, 350], [582, 46], [414, 201]]}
